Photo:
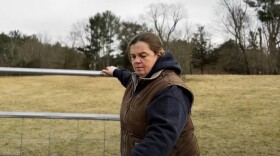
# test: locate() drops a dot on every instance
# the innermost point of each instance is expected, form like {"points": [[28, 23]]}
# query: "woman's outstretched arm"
{"points": [[123, 75]]}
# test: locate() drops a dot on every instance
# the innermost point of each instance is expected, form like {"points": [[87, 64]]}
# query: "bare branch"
{"points": [[165, 18]]}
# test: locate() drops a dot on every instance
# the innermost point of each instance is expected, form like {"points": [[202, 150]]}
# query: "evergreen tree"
{"points": [[230, 58], [4, 41], [201, 50], [102, 29]]}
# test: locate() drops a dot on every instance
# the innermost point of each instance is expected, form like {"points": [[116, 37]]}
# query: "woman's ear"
{"points": [[160, 53]]}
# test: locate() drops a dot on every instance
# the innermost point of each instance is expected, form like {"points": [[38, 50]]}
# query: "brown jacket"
{"points": [[134, 120]]}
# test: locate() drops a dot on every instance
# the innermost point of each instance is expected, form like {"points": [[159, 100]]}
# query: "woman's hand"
{"points": [[108, 70]]}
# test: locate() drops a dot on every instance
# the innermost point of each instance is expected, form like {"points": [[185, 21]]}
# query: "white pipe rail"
{"points": [[48, 115], [43, 71]]}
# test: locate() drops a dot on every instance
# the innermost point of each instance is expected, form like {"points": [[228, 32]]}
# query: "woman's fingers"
{"points": [[108, 70]]}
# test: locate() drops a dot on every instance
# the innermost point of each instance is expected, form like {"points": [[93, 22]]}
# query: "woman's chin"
{"points": [[141, 74]]}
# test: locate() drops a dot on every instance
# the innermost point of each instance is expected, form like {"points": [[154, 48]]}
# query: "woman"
{"points": [[156, 108]]}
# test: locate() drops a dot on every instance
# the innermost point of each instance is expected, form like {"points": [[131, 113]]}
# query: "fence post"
{"points": [[77, 147], [50, 133], [104, 144], [21, 136]]}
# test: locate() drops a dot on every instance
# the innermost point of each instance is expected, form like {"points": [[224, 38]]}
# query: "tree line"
{"points": [[252, 27]]}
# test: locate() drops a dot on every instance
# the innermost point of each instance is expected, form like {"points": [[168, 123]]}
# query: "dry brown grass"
{"points": [[237, 115], [60, 94], [233, 115]]}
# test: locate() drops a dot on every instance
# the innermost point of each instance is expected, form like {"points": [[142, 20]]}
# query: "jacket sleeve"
{"points": [[167, 115], [123, 76]]}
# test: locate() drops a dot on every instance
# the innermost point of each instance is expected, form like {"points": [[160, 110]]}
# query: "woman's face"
{"points": [[142, 58]]}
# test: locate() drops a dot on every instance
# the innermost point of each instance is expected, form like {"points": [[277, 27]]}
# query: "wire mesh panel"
{"points": [[57, 134], [52, 136]]}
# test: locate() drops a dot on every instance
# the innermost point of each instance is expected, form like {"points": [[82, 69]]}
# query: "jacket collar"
{"points": [[136, 78]]}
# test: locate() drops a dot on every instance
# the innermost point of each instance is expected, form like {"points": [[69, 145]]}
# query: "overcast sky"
{"points": [[56, 17]]}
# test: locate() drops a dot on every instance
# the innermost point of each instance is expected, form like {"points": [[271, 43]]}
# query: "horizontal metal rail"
{"points": [[46, 115], [42, 71]]}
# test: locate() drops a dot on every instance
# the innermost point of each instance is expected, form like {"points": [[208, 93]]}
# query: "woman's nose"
{"points": [[137, 60]]}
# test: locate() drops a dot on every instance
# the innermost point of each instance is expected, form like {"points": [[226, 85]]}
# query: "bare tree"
{"points": [[268, 13], [78, 34], [236, 21], [165, 18], [44, 38]]}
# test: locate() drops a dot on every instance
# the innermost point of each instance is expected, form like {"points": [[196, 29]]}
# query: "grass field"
{"points": [[232, 114]]}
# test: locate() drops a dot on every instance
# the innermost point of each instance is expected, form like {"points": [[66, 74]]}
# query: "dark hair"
{"points": [[151, 39]]}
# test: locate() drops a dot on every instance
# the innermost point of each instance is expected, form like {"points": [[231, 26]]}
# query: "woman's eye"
{"points": [[142, 56]]}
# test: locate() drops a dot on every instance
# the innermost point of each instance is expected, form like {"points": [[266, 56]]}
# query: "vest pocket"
{"points": [[135, 139]]}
